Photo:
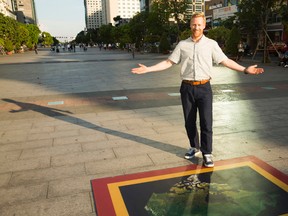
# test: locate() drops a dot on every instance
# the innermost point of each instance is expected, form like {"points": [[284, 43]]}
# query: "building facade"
{"points": [[94, 16], [6, 8], [103, 12], [25, 11], [126, 9]]}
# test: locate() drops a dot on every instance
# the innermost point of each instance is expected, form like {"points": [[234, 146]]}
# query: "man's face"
{"points": [[197, 26]]}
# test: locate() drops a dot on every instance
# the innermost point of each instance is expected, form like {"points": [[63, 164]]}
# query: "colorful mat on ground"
{"points": [[243, 186]]}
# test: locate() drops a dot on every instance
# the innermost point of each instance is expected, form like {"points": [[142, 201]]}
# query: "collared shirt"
{"points": [[197, 58]]}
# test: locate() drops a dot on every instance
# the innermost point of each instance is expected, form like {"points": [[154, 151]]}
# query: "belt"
{"points": [[194, 82]]}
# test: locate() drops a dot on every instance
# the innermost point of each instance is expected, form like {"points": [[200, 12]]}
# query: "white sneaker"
{"points": [[208, 160], [191, 153]]}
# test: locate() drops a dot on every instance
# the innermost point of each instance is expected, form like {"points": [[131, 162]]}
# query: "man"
{"points": [[196, 55]]}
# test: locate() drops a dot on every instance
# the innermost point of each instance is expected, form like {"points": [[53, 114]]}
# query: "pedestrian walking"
{"points": [[36, 48], [196, 55]]}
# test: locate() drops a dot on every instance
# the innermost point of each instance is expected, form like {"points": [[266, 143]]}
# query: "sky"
{"points": [[64, 18]]}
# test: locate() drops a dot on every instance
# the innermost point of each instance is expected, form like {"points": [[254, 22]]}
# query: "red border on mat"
{"points": [[102, 198]]}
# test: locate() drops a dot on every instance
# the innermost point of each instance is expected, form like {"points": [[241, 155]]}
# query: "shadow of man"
{"points": [[63, 115]]}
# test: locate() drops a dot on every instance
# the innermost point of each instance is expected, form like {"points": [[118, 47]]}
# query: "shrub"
{"points": [[8, 45], [232, 42], [164, 45]]}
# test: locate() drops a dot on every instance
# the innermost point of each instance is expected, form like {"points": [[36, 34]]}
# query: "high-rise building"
{"points": [[25, 11], [126, 9], [93, 14], [102, 12]]}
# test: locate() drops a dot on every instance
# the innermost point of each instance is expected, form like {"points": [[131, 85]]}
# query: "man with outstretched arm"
{"points": [[196, 55]]}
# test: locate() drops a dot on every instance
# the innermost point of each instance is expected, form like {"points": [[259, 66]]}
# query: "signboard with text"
{"points": [[224, 12]]}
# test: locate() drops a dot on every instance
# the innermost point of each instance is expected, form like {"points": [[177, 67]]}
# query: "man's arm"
{"points": [[154, 68], [247, 70]]}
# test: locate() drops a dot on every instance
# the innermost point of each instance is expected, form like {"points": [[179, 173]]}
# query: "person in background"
{"points": [[196, 55], [240, 48], [36, 48]]}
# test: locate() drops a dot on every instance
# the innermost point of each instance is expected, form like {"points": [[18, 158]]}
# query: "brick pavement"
{"points": [[60, 127]]}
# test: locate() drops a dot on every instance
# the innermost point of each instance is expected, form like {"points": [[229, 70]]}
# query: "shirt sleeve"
{"points": [[176, 54], [218, 55]]}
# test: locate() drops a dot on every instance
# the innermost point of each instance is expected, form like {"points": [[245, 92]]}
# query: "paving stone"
{"points": [[9, 156], [74, 205], [63, 187], [39, 130], [20, 165], [26, 145], [50, 151], [81, 157], [15, 194], [136, 149], [157, 167], [92, 146], [46, 174], [4, 179], [80, 139], [69, 127], [159, 158], [117, 164]]}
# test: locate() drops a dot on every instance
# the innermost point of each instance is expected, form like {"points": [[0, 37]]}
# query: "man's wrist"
{"points": [[245, 71]]}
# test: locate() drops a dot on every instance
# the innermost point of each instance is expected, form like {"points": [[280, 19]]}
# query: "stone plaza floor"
{"points": [[67, 118]]}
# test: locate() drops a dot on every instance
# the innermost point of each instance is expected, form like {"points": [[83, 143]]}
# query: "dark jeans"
{"points": [[198, 98]]}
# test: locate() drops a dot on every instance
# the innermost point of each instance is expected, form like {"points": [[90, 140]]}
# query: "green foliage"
{"points": [[220, 34], [23, 34], [105, 32], [185, 34], [139, 27], [121, 35], [1, 42], [232, 42], [80, 38], [33, 35], [15, 34], [175, 9], [46, 39], [8, 45], [283, 11], [164, 44]]}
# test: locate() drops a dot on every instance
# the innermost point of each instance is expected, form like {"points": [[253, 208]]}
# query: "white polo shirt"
{"points": [[197, 58]]}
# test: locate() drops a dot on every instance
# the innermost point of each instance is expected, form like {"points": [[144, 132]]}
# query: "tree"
{"points": [[81, 37], [8, 28], [117, 20], [253, 17], [122, 35], [23, 34], [232, 42], [105, 33], [175, 9], [220, 34], [283, 11], [139, 28], [46, 39], [34, 33], [164, 45], [15, 34]]}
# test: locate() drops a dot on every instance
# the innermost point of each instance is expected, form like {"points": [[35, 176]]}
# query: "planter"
{"points": [[9, 52]]}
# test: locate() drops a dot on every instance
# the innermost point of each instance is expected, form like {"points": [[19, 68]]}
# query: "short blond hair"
{"points": [[198, 14]]}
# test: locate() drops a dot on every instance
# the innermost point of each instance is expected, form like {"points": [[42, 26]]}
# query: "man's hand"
{"points": [[140, 70], [253, 70]]}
